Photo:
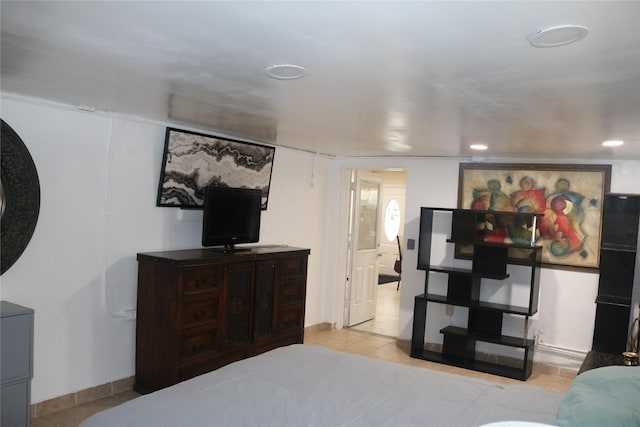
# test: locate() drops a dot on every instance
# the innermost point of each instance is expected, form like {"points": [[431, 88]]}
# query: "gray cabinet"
{"points": [[16, 363]]}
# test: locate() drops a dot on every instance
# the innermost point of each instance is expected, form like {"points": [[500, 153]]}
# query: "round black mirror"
{"points": [[20, 197]]}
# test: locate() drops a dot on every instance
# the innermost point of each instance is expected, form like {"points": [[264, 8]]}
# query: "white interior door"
{"points": [[365, 248]]}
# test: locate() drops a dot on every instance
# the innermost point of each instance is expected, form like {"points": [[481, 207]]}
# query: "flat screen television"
{"points": [[231, 216]]}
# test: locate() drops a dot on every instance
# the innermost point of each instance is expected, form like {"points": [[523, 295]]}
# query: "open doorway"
{"points": [[390, 232]]}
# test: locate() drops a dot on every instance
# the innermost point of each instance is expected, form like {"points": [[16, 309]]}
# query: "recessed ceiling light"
{"points": [[479, 147], [558, 35], [612, 143], [286, 72]]}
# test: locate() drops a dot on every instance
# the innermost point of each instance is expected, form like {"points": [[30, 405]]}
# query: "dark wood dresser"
{"points": [[201, 309]]}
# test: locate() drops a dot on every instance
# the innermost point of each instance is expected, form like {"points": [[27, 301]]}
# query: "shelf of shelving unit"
{"points": [[504, 308], [477, 365], [489, 261], [506, 340], [466, 271]]}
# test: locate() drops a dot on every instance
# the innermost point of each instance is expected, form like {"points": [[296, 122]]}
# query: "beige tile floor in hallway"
{"points": [[371, 343], [387, 312]]}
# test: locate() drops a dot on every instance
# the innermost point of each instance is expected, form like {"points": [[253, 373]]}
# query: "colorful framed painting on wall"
{"points": [[193, 161], [570, 196]]}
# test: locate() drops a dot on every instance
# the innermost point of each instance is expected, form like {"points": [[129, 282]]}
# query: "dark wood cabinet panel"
{"points": [[289, 318], [238, 303], [198, 344], [264, 299], [199, 309], [202, 279]]}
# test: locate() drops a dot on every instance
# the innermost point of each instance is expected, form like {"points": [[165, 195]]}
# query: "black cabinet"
{"points": [[618, 260], [490, 254]]}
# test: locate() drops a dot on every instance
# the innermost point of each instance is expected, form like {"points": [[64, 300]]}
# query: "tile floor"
{"points": [[366, 339], [388, 348], [387, 312], [74, 416]]}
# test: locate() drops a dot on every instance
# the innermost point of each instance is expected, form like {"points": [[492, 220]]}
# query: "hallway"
{"points": [[387, 312]]}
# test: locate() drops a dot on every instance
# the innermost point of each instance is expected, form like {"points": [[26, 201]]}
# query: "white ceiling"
{"points": [[384, 78]]}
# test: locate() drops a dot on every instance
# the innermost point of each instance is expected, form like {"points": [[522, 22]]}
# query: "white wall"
{"points": [[98, 179], [566, 306], [60, 272]]}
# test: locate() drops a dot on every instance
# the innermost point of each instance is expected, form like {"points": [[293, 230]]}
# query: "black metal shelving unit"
{"points": [[618, 258], [489, 261]]}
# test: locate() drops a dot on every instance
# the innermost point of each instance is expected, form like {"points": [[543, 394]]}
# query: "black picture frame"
{"points": [[192, 161]]}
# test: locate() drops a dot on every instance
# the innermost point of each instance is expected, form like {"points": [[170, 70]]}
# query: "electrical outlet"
{"points": [[536, 336], [411, 244]]}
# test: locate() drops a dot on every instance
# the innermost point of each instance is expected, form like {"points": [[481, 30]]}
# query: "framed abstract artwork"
{"points": [[570, 197], [193, 161]]}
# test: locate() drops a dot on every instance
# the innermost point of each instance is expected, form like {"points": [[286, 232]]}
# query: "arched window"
{"points": [[392, 219]]}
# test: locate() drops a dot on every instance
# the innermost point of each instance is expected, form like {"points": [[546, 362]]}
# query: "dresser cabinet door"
{"points": [[263, 298], [238, 303]]}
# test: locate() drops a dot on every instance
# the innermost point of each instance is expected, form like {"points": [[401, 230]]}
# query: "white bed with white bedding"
{"points": [[303, 385]]}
